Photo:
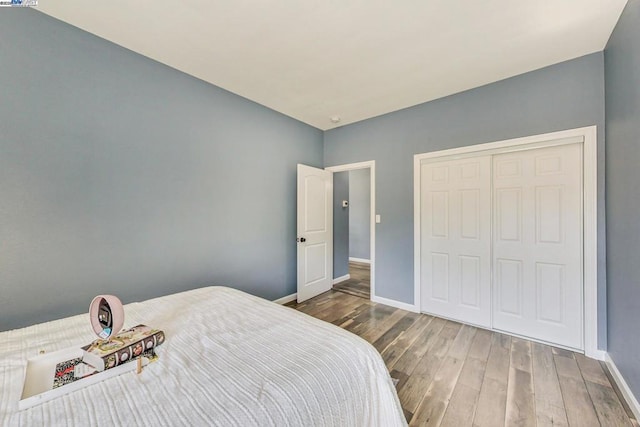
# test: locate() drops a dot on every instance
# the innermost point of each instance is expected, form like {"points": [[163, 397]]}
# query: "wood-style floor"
{"points": [[359, 282], [458, 375]]}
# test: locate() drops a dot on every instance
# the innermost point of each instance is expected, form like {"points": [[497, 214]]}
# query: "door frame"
{"points": [[371, 165], [588, 137]]}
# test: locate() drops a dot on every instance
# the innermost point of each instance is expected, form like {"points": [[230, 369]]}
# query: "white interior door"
{"points": [[537, 244], [456, 239], [315, 231]]}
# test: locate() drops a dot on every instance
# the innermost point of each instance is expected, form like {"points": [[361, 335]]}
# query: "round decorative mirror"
{"points": [[107, 315]]}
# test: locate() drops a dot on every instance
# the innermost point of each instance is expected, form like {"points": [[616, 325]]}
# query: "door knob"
{"points": [[301, 239]]}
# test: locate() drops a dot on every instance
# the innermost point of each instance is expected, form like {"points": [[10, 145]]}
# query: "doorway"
{"points": [[359, 282], [354, 229]]}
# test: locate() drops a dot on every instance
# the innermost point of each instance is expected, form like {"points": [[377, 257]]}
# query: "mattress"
{"points": [[229, 359]]}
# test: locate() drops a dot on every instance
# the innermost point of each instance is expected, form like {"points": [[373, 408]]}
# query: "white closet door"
{"points": [[537, 244], [456, 238]]}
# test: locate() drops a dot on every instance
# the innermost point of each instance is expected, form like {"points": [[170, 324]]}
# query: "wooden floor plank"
{"points": [[520, 410], [329, 314], [608, 408], [434, 403], [562, 352], [451, 374], [548, 397], [461, 408], [464, 400], [592, 370], [359, 282], [461, 344], [577, 402], [521, 354], [619, 394], [481, 345], [413, 391], [492, 401], [499, 357], [405, 340], [317, 305], [394, 332], [377, 327], [473, 373], [408, 361], [431, 410], [365, 324], [365, 305]]}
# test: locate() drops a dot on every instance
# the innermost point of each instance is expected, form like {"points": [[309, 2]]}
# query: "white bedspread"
{"points": [[230, 359]]}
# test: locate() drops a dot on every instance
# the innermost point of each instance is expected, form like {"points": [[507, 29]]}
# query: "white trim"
{"points": [[416, 231], [287, 298], [397, 304], [586, 135], [371, 164], [597, 355], [623, 386], [352, 166], [360, 260], [511, 145], [590, 242], [341, 279]]}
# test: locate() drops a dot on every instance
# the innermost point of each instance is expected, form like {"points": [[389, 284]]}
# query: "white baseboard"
{"points": [[341, 279], [286, 299], [397, 304], [596, 354], [624, 387], [362, 260]]}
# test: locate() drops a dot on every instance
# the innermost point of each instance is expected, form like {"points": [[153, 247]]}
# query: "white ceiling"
{"points": [[355, 59]]}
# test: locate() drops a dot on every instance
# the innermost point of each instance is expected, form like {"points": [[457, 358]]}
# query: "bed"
{"points": [[229, 359]]}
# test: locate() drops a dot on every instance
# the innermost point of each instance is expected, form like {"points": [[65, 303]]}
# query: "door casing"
{"points": [[371, 165]]}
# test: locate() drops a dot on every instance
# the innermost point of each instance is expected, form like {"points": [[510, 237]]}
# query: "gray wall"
{"points": [[360, 213], [563, 96], [340, 225], [121, 175], [622, 72]]}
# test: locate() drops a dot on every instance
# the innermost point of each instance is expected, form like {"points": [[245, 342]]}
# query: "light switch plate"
{"points": [[377, 219]]}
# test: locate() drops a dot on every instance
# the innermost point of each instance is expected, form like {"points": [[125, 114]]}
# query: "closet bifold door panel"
{"points": [[455, 235], [537, 244], [501, 240]]}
